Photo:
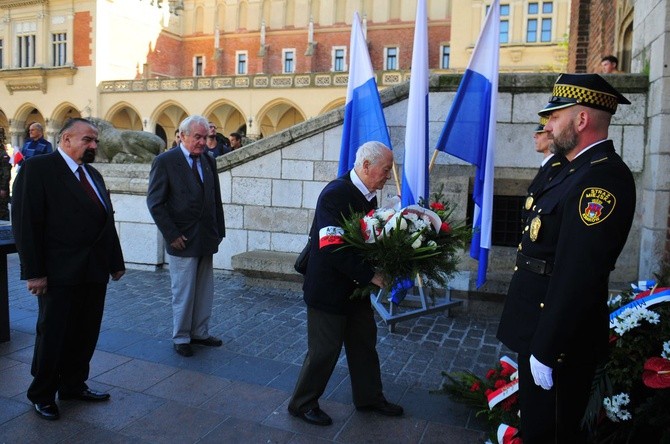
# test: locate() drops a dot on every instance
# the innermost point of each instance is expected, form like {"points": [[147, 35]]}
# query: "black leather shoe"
{"points": [[87, 395], [184, 350], [383, 408], [313, 416], [47, 411], [209, 342]]}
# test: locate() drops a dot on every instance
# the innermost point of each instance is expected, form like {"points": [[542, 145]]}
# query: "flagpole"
{"points": [[432, 161], [395, 177]]}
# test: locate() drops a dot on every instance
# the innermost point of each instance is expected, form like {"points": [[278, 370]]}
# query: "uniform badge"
{"points": [[535, 225], [529, 202], [595, 205]]}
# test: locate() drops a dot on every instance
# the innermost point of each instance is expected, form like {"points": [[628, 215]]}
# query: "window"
{"points": [[504, 23], [506, 224], [58, 49], [25, 48], [338, 59], [531, 32], [535, 18], [241, 65], [391, 58], [446, 55], [289, 61], [198, 66], [546, 30]]}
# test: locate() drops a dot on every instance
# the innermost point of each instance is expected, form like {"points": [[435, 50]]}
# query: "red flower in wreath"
{"points": [[656, 373], [475, 386], [437, 206], [445, 228]]}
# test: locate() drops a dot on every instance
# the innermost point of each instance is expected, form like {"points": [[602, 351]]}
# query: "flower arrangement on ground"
{"points": [[406, 243], [495, 396], [630, 399]]}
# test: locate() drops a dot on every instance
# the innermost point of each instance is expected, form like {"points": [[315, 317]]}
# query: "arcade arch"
{"points": [[227, 117], [168, 116], [333, 105], [279, 115], [62, 114], [124, 116], [26, 115]]}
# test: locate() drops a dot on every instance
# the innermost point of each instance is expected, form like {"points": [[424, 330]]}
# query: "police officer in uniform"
{"points": [[555, 315], [551, 165]]}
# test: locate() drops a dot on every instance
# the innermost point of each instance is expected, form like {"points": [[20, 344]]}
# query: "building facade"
{"points": [[250, 66]]}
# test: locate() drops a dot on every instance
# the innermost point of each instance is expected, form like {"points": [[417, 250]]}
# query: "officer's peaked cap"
{"points": [[540, 126], [584, 89]]}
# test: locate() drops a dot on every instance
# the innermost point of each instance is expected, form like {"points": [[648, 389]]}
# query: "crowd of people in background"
{"points": [[216, 143]]}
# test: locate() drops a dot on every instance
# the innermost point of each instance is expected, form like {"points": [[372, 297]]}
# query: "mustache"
{"points": [[88, 156]]}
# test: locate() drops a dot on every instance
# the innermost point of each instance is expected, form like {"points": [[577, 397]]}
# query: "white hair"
{"points": [[187, 123], [370, 151]]}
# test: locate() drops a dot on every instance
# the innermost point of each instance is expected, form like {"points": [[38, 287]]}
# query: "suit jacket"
{"points": [[580, 223], [334, 272], [544, 175], [181, 206], [60, 232]]}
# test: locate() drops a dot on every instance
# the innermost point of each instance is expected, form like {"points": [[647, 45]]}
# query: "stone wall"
{"points": [[270, 187]]}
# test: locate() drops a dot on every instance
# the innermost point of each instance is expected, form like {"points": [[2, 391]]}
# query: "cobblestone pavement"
{"points": [[264, 334]]}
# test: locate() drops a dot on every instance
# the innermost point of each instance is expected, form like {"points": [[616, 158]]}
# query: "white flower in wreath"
{"points": [[417, 242], [613, 408], [666, 350]]}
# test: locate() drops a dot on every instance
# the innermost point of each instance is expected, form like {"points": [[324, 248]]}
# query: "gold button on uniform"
{"points": [[541, 304], [516, 268]]}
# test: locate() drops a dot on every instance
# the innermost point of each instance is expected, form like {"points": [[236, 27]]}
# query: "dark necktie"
{"points": [[89, 189], [194, 167]]}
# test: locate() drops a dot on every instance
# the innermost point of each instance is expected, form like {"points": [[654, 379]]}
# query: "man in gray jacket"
{"points": [[184, 200]]}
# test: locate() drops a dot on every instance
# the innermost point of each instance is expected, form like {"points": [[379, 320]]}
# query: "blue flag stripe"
{"points": [[469, 131], [364, 119]]}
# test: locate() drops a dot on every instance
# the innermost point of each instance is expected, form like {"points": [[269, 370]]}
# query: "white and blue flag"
{"points": [[469, 131], [415, 168], [363, 115]]}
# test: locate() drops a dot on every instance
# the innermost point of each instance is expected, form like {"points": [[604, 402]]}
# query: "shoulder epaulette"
{"points": [[602, 159]]}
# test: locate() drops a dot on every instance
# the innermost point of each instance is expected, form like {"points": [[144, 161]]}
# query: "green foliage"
{"points": [[469, 389], [623, 373], [392, 253]]}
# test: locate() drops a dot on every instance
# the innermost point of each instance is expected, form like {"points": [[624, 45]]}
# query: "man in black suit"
{"points": [[63, 223], [551, 165], [555, 314], [333, 319], [184, 200]]}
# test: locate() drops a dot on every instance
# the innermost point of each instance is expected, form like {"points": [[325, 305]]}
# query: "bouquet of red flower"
{"points": [[630, 399], [495, 396], [406, 243]]}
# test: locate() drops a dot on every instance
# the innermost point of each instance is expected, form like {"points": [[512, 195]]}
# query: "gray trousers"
{"points": [[192, 286], [326, 333]]}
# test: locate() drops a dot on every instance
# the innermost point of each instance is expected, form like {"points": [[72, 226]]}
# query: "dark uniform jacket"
{"points": [[334, 272], [578, 226], [181, 206], [544, 175], [60, 232]]}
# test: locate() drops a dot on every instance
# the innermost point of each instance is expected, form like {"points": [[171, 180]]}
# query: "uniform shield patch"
{"points": [[595, 205]]}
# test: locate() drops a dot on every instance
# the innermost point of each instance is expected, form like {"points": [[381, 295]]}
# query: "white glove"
{"points": [[541, 373]]}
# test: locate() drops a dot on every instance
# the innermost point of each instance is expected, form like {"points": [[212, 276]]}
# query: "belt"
{"points": [[537, 266]]}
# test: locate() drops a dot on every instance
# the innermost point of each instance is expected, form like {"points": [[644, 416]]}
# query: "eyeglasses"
{"points": [[212, 126]]}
